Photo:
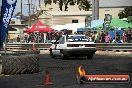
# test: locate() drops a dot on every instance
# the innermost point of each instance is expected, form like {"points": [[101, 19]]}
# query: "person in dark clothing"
{"points": [[102, 37], [117, 37], [18, 38], [26, 38], [129, 36]]}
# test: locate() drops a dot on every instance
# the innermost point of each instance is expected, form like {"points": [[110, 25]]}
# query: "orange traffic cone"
{"points": [[47, 80]]}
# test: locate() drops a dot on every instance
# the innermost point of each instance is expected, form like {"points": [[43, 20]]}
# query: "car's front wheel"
{"points": [[63, 56], [51, 54]]}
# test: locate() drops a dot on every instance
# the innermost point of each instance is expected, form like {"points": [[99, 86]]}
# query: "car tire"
{"points": [[51, 54], [90, 56], [63, 56]]}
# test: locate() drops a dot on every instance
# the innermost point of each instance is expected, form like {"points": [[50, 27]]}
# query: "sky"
{"points": [[25, 7]]}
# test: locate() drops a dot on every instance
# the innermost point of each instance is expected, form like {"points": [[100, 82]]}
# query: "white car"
{"points": [[72, 45]]}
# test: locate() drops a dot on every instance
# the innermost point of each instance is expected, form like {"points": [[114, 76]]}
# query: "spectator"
{"points": [[114, 41], [107, 38], [97, 37], [117, 37], [26, 38], [102, 37], [18, 39], [124, 36], [129, 36]]}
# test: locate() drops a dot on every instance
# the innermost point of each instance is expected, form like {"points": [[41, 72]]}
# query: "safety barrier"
{"points": [[45, 46], [114, 46], [28, 46]]}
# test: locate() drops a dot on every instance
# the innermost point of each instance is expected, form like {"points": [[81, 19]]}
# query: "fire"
{"points": [[81, 71]]}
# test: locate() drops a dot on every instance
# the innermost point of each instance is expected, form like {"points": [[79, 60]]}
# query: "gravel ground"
{"points": [[63, 72]]}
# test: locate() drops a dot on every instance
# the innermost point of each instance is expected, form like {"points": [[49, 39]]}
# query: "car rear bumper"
{"points": [[82, 51]]}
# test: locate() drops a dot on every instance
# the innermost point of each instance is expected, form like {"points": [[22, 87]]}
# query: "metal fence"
{"points": [[28, 46], [43, 46]]}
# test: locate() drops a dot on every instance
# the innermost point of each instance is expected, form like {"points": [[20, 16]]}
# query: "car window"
{"points": [[76, 38], [62, 40]]}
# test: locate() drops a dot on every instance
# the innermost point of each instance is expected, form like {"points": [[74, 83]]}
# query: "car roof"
{"points": [[74, 35]]}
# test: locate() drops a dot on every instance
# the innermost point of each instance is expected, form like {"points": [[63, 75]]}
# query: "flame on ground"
{"points": [[81, 71]]}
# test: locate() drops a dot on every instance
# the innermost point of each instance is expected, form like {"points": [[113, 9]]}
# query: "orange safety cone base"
{"points": [[48, 79]]}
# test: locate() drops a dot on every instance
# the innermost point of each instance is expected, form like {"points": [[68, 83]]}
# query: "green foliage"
{"points": [[48, 2], [82, 4], [126, 12], [18, 14], [129, 18]]}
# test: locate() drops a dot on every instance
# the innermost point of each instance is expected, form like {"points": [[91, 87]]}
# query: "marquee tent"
{"points": [[30, 30], [75, 26], [39, 27], [118, 23], [94, 24], [44, 29]]}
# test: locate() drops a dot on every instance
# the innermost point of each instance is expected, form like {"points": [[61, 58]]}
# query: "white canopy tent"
{"points": [[75, 26], [71, 26]]}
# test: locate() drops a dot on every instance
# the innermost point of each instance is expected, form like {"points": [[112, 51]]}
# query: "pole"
{"points": [[29, 13], [29, 7], [5, 44], [39, 3], [95, 9], [33, 9], [21, 9]]}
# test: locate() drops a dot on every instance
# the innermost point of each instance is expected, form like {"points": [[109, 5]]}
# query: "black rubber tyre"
{"points": [[90, 56], [51, 54], [20, 64], [27, 52], [63, 56]]}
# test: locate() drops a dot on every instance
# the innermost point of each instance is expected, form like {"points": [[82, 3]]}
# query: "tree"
{"points": [[19, 14], [82, 4], [126, 12]]}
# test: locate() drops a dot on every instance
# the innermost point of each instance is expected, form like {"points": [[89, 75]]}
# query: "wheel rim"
{"points": [[62, 55]]}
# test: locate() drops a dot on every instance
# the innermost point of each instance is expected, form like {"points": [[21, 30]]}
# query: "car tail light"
{"points": [[72, 45]]}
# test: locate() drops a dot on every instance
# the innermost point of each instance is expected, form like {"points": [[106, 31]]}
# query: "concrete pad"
{"points": [[44, 52], [118, 52]]}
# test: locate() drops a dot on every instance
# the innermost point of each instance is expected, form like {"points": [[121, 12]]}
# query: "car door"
{"points": [[61, 44]]}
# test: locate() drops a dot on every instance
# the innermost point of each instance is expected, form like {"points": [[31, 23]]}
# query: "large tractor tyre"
{"points": [[28, 52], [20, 64]]}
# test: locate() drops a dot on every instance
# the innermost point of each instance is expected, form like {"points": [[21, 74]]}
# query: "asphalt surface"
{"points": [[63, 72]]}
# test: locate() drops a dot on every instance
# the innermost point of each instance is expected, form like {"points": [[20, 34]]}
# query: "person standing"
{"points": [[102, 37], [107, 38], [18, 39], [124, 36]]}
